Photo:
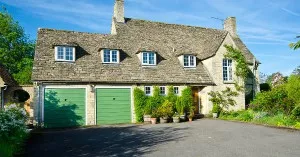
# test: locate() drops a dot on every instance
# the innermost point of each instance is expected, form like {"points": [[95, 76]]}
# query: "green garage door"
{"points": [[64, 107], [113, 106]]}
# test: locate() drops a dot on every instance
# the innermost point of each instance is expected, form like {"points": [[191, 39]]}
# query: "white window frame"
{"points": [[64, 51], [110, 58], [177, 90], [148, 60], [190, 57], [146, 90], [229, 71], [160, 89]]}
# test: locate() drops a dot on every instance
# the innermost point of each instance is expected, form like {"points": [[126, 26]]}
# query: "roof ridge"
{"points": [[69, 31], [159, 22]]}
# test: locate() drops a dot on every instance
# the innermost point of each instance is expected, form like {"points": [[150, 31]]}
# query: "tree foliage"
{"points": [[296, 45], [16, 50]]}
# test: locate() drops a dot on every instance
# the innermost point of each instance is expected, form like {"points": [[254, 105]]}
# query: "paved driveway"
{"points": [[204, 137]]}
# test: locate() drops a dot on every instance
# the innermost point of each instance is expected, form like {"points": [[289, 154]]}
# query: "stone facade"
{"points": [[130, 37]]}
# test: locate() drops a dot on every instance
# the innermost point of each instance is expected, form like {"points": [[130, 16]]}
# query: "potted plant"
{"points": [[147, 114], [165, 111], [192, 113], [176, 118], [216, 110], [180, 108], [154, 117]]}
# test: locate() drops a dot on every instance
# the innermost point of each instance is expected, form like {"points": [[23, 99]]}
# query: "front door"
{"points": [[196, 99]]}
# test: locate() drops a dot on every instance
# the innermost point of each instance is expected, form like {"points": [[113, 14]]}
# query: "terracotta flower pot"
{"points": [[190, 119], [153, 120]]}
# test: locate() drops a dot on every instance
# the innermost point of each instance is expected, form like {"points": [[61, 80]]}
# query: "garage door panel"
{"points": [[113, 105], [64, 107]]}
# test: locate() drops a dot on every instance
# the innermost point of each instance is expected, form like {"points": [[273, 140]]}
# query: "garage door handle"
{"points": [[114, 98]]}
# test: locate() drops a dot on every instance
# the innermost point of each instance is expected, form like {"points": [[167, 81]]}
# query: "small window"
{"points": [[110, 56], [189, 61], [64, 53], [162, 90], [148, 58], [147, 90], [227, 70], [176, 90]]}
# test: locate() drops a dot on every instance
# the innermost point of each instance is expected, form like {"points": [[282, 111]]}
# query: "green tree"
{"points": [[16, 50], [296, 45]]}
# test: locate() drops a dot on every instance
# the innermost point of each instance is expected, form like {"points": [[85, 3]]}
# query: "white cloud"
{"points": [[290, 12]]}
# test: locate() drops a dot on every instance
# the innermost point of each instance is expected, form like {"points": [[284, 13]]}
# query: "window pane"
{"points": [[224, 62], [151, 58], [186, 60], [60, 53], [230, 73], [69, 53], [225, 77], [106, 56], [114, 55], [162, 90], [147, 90], [145, 57], [192, 61], [175, 90]]}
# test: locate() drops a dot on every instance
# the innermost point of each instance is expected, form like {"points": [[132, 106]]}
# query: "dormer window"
{"points": [[189, 61], [110, 56], [148, 58], [65, 53]]}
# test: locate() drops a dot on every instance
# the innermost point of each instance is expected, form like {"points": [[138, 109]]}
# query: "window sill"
{"points": [[64, 61], [109, 63], [228, 82]]}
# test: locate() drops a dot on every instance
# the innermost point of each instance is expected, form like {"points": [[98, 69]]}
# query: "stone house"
{"points": [[88, 78]]}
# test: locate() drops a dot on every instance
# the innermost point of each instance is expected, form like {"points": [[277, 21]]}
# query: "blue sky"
{"points": [[267, 27]]}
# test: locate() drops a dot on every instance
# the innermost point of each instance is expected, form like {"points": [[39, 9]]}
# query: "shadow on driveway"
{"points": [[102, 141]]}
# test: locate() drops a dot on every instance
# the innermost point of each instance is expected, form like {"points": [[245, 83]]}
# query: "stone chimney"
{"points": [[230, 26], [118, 15]]}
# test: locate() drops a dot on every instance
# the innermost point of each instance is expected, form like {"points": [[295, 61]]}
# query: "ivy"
{"points": [[241, 69]]}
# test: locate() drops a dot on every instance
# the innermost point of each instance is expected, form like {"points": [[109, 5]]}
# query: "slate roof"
{"points": [[133, 36], [6, 77]]}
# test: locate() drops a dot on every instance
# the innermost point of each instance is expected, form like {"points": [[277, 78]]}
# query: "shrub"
{"points": [[293, 88], [246, 115], [273, 102], [139, 104], [171, 96], [166, 109], [296, 112], [216, 108], [223, 98], [179, 105], [187, 99], [12, 129]]}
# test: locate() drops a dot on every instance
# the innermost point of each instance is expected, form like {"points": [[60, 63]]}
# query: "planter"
{"points": [[215, 115], [190, 119], [176, 120], [147, 119], [153, 120], [163, 120]]}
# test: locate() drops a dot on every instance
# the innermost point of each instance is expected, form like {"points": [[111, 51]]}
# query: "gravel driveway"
{"points": [[204, 137]]}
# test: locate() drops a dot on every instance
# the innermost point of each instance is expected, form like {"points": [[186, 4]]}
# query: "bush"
{"points": [[171, 96], [166, 109], [274, 101], [223, 98], [296, 112], [187, 99], [216, 108], [12, 129], [139, 104], [179, 105], [293, 88]]}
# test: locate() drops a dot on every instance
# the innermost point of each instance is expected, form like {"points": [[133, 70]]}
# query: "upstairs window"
{"points": [[65, 53], [176, 90], [189, 61], [162, 90], [227, 70], [148, 58], [110, 56], [148, 90]]}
